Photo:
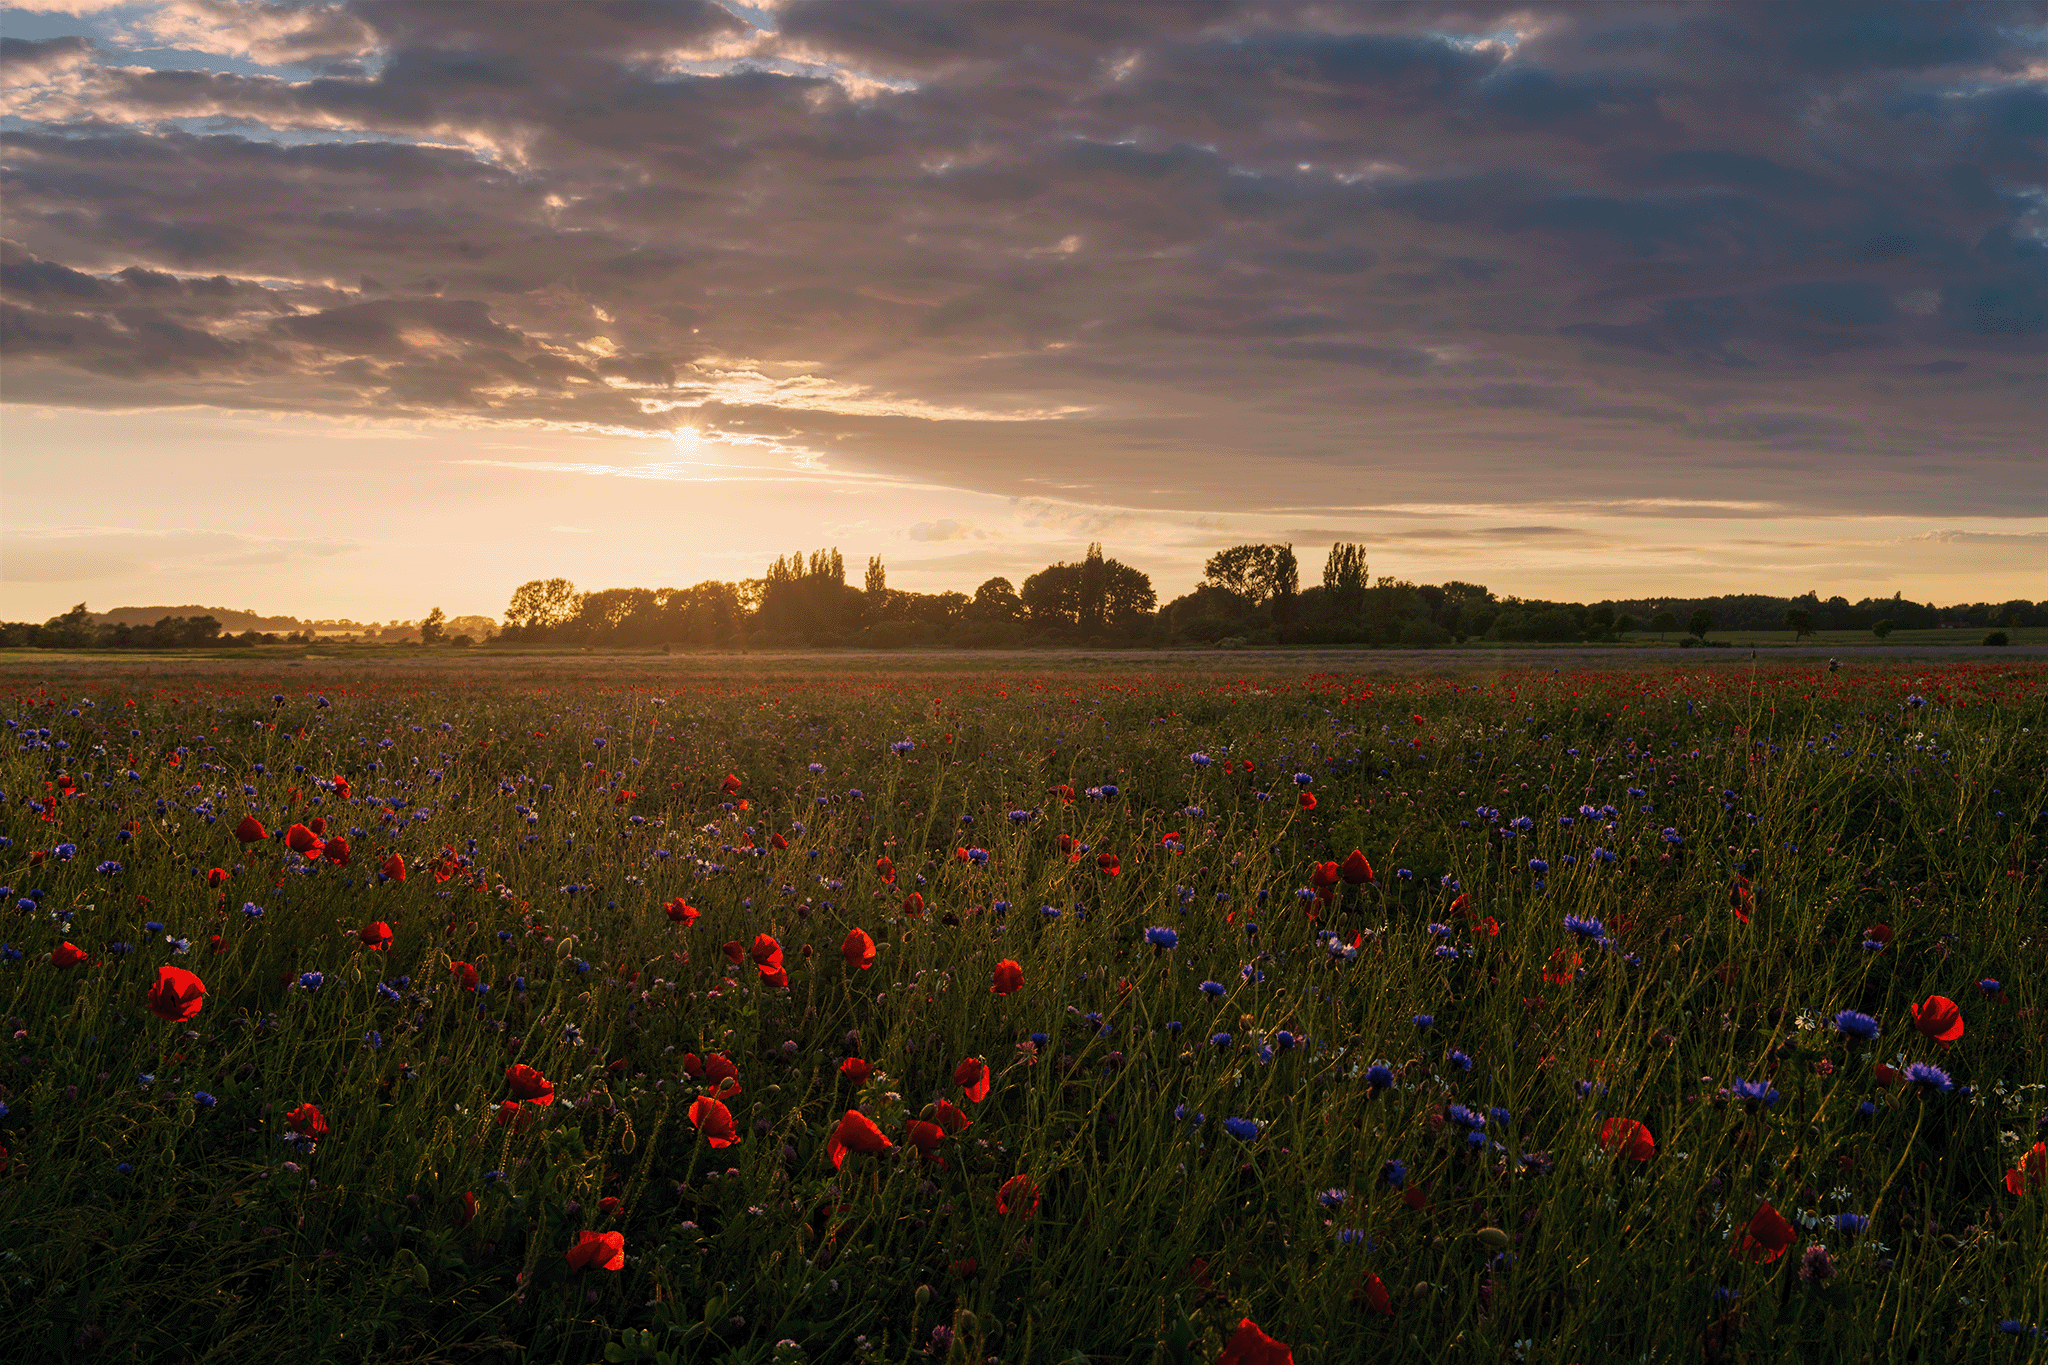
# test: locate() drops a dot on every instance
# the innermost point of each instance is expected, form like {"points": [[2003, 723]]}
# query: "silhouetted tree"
{"points": [[1702, 621], [1345, 579], [432, 628]]}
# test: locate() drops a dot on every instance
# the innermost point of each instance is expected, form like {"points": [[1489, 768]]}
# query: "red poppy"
{"points": [[1107, 865], [924, 1136], [528, 1084], [1882, 933], [776, 841], [217, 944], [598, 1251], [1628, 1136], [299, 839], [215, 876], [679, 912], [394, 868], [972, 1078], [1063, 792], [855, 1133], [608, 1206], [1768, 1235], [1458, 906], [341, 787], [1376, 1296], [1018, 1198], [1940, 1018], [886, 869], [67, 954], [714, 1121], [337, 852], [177, 995], [731, 785], [468, 1208], [767, 954], [1323, 877], [778, 978], [464, 973], [1563, 968], [1414, 1198], [1740, 898], [2032, 1172], [1249, 1346], [913, 904], [856, 1070], [377, 935], [858, 950], [1886, 1074], [717, 1070], [251, 830], [1307, 801], [1009, 978], [1355, 870], [318, 824], [307, 1120], [624, 798]]}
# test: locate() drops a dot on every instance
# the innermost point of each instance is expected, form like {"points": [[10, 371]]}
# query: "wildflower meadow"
{"points": [[795, 1012]]}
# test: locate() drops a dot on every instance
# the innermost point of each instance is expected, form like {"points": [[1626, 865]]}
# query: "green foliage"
{"points": [[144, 1225]]}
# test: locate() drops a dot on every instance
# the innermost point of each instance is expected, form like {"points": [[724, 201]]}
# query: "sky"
{"points": [[355, 309]]}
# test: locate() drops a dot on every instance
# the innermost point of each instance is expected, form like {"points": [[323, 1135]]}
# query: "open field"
{"points": [[1011, 1007]]}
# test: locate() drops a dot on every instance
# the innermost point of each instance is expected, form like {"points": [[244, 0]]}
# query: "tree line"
{"points": [[1249, 594]]}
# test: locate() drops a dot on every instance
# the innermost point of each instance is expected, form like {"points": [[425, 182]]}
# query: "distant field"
{"points": [[1568, 1064]]}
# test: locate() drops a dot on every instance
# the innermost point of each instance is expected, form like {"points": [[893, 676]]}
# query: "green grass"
{"points": [[141, 1225]]}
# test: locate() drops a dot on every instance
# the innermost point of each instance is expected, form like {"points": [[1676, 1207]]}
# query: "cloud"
{"points": [[1162, 255], [2013, 538], [98, 553], [947, 529]]}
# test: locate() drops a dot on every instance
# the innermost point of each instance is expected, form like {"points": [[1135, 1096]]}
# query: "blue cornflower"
{"points": [[1250, 972], [1215, 988], [1866, 1110], [1500, 1115], [1283, 1041], [1439, 930], [1200, 760], [1219, 1040], [1379, 1076], [152, 927], [203, 1100], [1332, 1198], [1851, 1222], [1395, 1172], [1585, 928], [1754, 1092], [1244, 1130], [1538, 866], [385, 992], [1424, 1020], [1160, 936], [1930, 1077], [373, 1040], [2014, 1327], [1181, 1114], [1352, 1237], [1020, 816], [1445, 950], [1302, 779], [311, 981], [252, 910], [1853, 1024], [1459, 1060], [1465, 1118]]}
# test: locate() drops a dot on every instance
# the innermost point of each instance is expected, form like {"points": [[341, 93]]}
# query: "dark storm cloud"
{"points": [[1134, 246]]}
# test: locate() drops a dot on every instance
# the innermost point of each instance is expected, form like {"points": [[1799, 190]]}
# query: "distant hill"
{"points": [[232, 621]]}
